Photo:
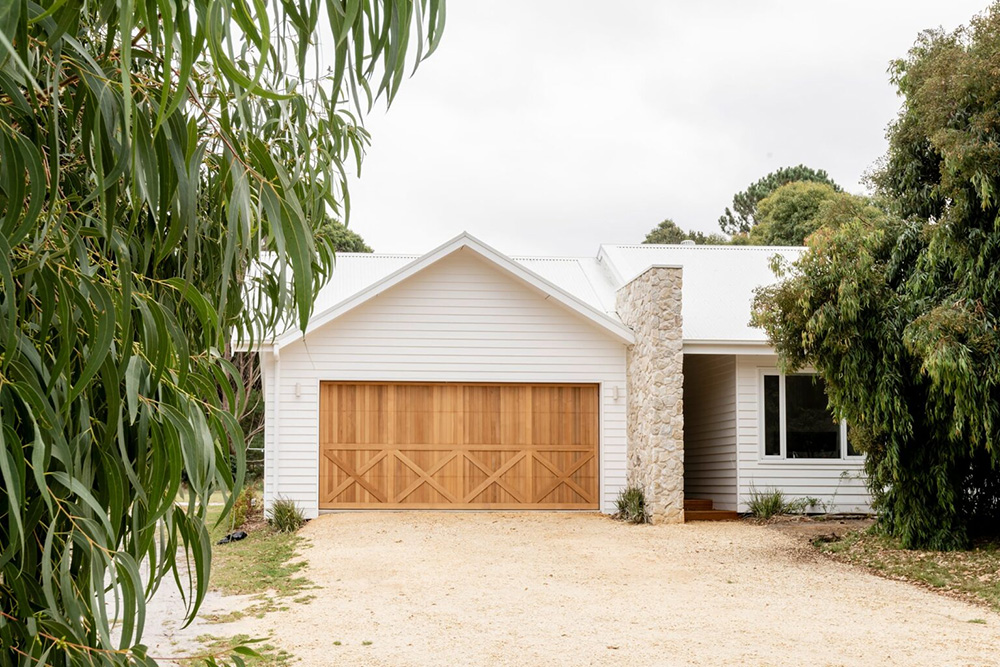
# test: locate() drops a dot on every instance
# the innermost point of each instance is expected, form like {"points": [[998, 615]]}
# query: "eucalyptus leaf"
{"points": [[170, 173]]}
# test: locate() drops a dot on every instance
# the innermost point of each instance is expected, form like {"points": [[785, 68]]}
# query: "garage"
{"points": [[459, 379], [447, 445]]}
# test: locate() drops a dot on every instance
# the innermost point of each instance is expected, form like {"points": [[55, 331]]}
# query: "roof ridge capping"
{"points": [[374, 255], [462, 241], [680, 246]]}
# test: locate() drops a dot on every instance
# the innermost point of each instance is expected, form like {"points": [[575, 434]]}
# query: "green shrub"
{"points": [[799, 505], [286, 517], [768, 503], [631, 504], [246, 506], [895, 302]]}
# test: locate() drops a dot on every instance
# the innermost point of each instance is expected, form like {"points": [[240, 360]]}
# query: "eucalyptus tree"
{"points": [[164, 166], [898, 305]]}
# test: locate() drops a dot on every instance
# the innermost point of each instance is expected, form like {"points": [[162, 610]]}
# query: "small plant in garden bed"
{"points": [[285, 516], [772, 502], [631, 505], [766, 504]]}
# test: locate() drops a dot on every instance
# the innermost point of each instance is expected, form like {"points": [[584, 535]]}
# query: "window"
{"points": [[797, 424], [772, 416]]}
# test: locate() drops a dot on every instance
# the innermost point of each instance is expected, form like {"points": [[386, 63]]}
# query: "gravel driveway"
{"points": [[579, 589]]}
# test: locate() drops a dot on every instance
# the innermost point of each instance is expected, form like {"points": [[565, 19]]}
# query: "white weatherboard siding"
{"points": [[710, 428], [270, 455], [459, 320], [840, 484]]}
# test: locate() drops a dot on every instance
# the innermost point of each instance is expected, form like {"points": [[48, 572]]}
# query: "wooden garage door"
{"points": [[454, 446]]}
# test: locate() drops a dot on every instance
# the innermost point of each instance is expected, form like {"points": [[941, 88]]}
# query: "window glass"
{"points": [[772, 416], [810, 429], [851, 449]]}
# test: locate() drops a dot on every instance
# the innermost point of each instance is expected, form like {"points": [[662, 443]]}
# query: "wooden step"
{"points": [[697, 504], [710, 515]]}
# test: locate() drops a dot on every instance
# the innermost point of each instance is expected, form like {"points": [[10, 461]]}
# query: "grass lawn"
{"points": [[258, 565], [973, 574], [266, 654]]}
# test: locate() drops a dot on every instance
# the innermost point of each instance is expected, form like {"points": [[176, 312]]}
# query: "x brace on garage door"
{"points": [[458, 446]]}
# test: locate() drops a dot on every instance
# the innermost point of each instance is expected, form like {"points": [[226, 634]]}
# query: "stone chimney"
{"points": [[651, 305]]}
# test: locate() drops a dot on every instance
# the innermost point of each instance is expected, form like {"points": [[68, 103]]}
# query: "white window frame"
{"points": [[782, 454]]}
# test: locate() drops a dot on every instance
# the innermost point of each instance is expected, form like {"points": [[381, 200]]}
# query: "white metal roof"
{"points": [[347, 290], [583, 277], [719, 281], [353, 272]]}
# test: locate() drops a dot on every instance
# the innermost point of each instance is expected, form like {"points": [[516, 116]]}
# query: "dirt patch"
{"points": [[414, 588], [166, 634], [808, 529]]}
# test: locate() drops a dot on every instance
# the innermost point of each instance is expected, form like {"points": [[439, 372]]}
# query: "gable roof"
{"points": [[583, 277], [349, 290], [718, 284]]}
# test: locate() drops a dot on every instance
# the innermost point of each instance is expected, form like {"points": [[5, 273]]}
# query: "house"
{"points": [[466, 379]]}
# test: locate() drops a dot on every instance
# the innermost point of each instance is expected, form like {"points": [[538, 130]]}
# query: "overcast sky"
{"points": [[550, 127]]}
